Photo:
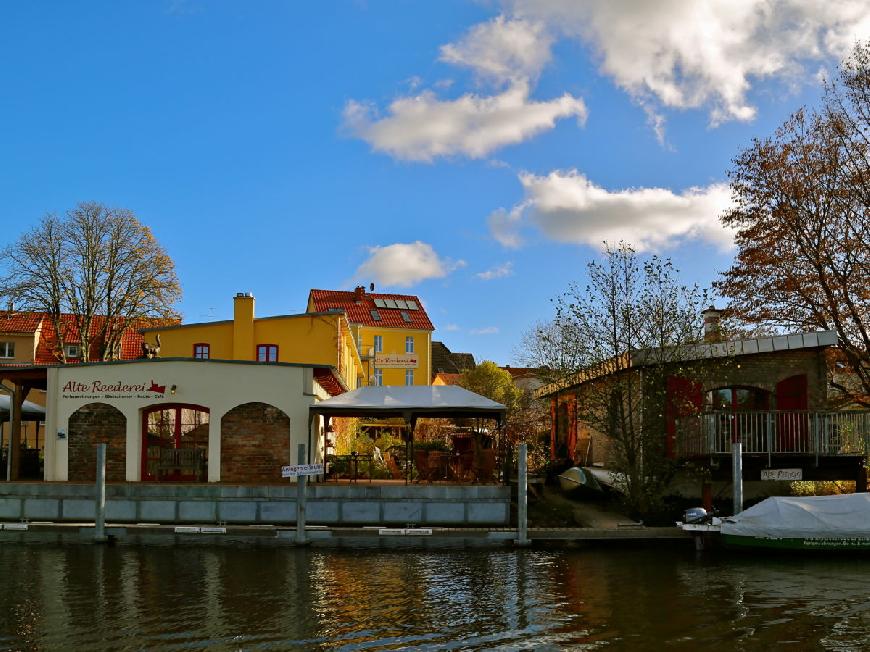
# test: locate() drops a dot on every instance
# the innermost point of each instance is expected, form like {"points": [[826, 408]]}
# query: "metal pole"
{"points": [[100, 497], [737, 479], [301, 482], [9, 421], [522, 497]]}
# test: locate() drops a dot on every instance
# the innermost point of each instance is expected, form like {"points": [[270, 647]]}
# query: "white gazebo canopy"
{"points": [[29, 411], [411, 403]]}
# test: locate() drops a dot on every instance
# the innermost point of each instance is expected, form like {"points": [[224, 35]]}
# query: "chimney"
{"points": [[359, 293], [712, 332], [243, 326]]}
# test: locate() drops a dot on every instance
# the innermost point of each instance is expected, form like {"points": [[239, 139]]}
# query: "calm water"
{"points": [[221, 598]]}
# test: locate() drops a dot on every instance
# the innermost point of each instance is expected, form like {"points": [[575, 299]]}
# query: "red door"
{"points": [[792, 419], [174, 442], [684, 398]]}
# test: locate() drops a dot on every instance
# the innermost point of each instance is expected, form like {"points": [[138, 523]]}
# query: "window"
{"points": [[379, 343], [267, 353], [379, 377], [376, 316], [201, 351], [409, 376], [7, 349], [409, 344], [72, 351]]}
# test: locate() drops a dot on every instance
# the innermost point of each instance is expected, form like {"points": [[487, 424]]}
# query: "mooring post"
{"points": [[100, 497], [737, 475], [301, 482], [522, 497]]}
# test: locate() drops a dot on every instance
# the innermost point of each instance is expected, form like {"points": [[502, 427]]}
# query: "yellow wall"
{"points": [[394, 342], [303, 339], [25, 348]]}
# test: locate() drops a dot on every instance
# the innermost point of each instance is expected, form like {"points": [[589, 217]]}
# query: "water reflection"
{"points": [[174, 598]]}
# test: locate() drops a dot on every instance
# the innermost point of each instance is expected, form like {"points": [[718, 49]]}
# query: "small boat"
{"points": [[795, 523], [578, 478], [802, 523]]}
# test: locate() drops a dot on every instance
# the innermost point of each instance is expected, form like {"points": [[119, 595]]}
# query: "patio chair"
{"points": [[484, 467], [439, 462], [424, 470]]}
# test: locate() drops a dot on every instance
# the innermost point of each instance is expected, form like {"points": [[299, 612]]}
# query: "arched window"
{"points": [[738, 398]]}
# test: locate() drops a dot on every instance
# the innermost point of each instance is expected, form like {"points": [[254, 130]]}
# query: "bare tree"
{"points": [[626, 331], [99, 264]]}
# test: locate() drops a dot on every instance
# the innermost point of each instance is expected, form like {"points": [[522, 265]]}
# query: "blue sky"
{"points": [[472, 153]]}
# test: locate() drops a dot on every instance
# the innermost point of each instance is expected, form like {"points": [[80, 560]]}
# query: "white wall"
{"points": [[218, 386]]}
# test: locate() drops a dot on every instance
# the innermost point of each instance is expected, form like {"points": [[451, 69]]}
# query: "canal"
{"points": [[234, 598]]}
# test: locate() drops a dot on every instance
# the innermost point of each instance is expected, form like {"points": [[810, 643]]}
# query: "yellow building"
{"points": [[315, 337], [392, 331]]}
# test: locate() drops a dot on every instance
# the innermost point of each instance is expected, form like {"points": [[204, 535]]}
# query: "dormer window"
{"points": [[72, 351]]}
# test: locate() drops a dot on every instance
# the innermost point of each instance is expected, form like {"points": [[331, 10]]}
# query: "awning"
{"points": [[29, 411], [410, 403]]}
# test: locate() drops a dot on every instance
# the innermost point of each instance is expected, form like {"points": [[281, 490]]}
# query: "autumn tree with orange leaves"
{"points": [[803, 226]]}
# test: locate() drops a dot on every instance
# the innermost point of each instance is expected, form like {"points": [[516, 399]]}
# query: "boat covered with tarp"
{"points": [[578, 477], [839, 522]]}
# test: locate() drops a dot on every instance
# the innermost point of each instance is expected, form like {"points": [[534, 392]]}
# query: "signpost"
{"points": [[786, 475], [297, 470], [301, 472]]}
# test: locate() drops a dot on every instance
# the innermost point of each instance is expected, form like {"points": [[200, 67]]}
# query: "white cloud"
{"points": [[404, 264], [499, 271], [487, 330], [423, 127], [505, 225], [502, 49], [452, 327], [569, 208], [682, 53]]}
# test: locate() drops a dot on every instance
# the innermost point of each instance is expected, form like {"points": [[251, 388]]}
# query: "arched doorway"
{"points": [[255, 443], [92, 424], [175, 443], [742, 413]]}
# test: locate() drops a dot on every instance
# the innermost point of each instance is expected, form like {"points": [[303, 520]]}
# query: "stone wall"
{"points": [[255, 443], [92, 424]]}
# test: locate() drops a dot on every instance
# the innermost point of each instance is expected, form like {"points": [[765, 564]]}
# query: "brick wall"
{"points": [[93, 424], [255, 443], [765, 370]]}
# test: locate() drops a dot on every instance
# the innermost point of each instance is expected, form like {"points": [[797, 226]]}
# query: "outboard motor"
{"points": [[695, 515]]}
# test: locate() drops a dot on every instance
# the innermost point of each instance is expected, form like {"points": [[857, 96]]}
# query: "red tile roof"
{"points": [[328, 381], [20, 322], [359, 305], [47, 345]]}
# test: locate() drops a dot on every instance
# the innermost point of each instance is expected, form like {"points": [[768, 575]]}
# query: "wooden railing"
{"points": [[773, 432]]}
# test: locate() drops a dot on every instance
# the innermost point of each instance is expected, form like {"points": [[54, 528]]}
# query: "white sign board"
{"points": [[296, 470], [787, 475], [396, 360]]}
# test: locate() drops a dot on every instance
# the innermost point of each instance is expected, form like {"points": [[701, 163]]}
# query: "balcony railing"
{"points": [[773, 432]]}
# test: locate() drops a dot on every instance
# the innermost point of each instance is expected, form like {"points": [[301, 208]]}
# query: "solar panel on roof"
{"points": [[376, 315], [401, 304], [391, 303], [412, 305], [380, 303]]}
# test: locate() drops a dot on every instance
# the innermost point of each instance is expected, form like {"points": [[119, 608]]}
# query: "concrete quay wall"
{"points": [[348, 505]]}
